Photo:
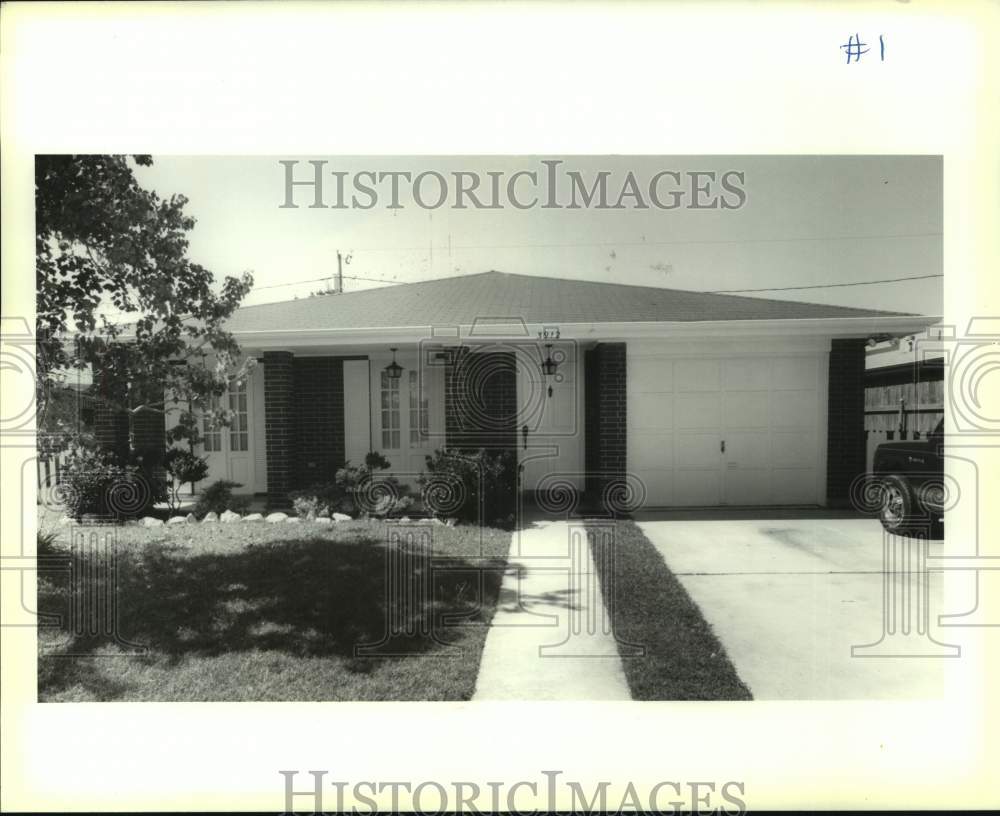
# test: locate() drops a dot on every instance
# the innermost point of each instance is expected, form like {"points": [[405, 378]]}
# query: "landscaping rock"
{"points": [[338, 517], [210, 516], [438, 521], [323, 520], [229, 517], [190, 518], [254, 517], [294, 520], [177, 520], [450, 522], [149, 521], [66, 520], [274, 518]]}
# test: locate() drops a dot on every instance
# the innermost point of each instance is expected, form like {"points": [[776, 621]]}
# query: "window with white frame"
{"points": [[390, 413], [418, 411], [239, 435], [212, 434]]}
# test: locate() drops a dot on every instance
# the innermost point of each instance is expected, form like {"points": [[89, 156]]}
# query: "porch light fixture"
{"points": [[549, 365], [394, 369]]}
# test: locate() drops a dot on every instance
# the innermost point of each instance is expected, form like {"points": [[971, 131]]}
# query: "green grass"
{"points": [[257, 611], [681, 657]]}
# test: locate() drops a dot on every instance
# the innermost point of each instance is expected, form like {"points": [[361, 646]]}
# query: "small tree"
{"points": [[102, 242], [183, 467]]}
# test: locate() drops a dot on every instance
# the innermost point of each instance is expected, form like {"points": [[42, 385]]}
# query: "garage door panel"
{"points": [[648, 375], [697, 450], [747, 450], [747, 374], [794, 409], [794, 485], [748, 486], [793, 449], [653, 411], [747, 409], [697, 375], [651, 451], [692, 411], [793, 373], [697, 487]]}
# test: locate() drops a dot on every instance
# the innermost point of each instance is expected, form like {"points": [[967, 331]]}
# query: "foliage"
{"points": [[320, 499], [359, 490], [96, 484], [218, 498], [478, 488], [103, 242], [184, 467]]}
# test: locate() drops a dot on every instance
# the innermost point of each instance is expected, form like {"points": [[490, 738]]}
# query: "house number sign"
{"points": [[549, 333]]}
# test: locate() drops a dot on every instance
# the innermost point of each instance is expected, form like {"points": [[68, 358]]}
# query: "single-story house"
{"points": [[688, 398]]}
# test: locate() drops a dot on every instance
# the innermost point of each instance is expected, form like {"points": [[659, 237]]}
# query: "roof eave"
{"points": [[844, 327]]}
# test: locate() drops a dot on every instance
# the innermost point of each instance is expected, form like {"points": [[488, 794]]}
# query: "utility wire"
{"points": [[820, 285]]}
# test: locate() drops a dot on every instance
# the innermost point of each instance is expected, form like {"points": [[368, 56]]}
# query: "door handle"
{"points": [[524, 435], [722, 446]]}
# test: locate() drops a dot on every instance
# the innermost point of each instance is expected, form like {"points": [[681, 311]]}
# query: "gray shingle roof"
{"points": [[464, 299]]}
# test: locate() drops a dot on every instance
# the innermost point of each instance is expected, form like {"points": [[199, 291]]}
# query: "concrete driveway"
{"points": [[789, 596]]}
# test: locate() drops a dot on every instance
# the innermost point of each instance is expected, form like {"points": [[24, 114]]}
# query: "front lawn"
{"points": [[256, 611], [681, 657]]}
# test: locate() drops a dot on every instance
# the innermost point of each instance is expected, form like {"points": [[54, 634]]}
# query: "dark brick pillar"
{"points": [[480, 400], [845, 458], [111, 425], [318, 385], [279, 425], [612, 413]]}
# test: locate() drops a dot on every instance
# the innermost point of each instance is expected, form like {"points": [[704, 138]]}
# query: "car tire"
{"points": [[897, 510]]}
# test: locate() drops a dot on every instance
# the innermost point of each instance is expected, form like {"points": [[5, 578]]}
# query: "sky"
{"points": [[806, 222]]}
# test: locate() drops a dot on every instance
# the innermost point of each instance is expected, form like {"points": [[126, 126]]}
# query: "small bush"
{"points": [[94, 484], [320, 499], [369, 494], [478, 488], [218, 498], [183, 467]]}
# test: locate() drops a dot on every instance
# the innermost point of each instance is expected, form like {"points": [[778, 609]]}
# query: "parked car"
{"points": [[911, 477]]}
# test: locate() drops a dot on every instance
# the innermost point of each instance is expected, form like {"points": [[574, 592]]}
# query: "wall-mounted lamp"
{"points": [[549, 365], [394, 370]]}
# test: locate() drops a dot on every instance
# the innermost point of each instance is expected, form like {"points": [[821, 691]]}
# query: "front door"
{"points": [[409, 415], [229, 450], [550, 430]]}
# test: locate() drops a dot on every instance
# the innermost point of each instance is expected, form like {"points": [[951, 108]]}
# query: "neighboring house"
{"points": [[690, 399], [904, 392]]}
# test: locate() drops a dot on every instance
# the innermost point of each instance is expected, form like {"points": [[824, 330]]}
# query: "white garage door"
{"points": [[736, 430]]}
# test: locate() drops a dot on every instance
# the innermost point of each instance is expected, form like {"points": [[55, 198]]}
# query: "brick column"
{"points": [[318, 385], [845, 458], [279, 425], [606, 417]]}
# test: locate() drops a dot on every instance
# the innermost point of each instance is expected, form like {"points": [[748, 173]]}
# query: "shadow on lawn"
{"points": [[306, 597]]}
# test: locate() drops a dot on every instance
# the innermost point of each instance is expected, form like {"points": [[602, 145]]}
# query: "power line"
{"points": [[819, 285], [325, 278]]}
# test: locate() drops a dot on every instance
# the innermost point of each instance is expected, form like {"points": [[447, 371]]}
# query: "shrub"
{"points": [[479, 488], [369, 494], [94, 484], [183, 467], [320, 499], [218, 498]]}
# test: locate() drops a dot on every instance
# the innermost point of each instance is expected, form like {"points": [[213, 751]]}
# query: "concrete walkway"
{"points": [[550, 638]]}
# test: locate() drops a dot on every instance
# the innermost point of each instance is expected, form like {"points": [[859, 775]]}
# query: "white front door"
{"points": [[550, 408], [230, 450], [408, 414]]}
